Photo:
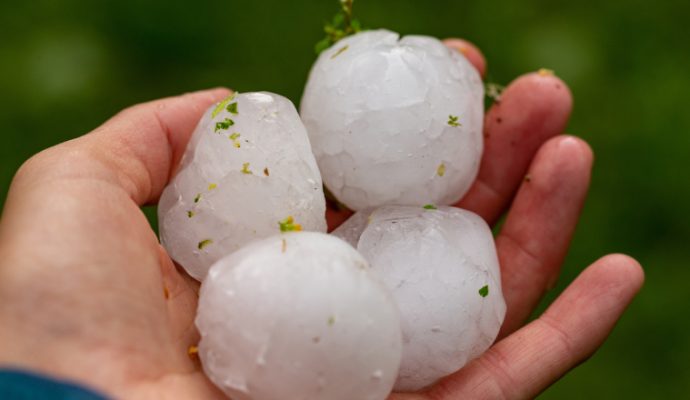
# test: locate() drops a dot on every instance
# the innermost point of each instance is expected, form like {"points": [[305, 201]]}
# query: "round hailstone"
{"points": [[442, 268], [298, 316], [394, 121], [248, 166]]}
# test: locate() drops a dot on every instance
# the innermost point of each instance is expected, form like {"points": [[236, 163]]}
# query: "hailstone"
{"points": [[247, 167], [442, 268], [298, 316], [394, 121]]}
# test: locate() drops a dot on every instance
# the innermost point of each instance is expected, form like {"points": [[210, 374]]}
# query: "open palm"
{"points": [[87, 292]]}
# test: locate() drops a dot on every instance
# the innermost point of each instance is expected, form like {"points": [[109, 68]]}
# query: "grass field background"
{"points": [[66, 66]]}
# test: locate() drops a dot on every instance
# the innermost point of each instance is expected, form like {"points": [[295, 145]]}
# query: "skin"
{"points": [[88, 294]]}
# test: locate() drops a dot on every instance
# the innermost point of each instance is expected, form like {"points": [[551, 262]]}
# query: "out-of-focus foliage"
{"points": [[66, 66]]}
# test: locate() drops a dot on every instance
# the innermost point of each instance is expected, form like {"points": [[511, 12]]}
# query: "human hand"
{"points": [[88, 293]]}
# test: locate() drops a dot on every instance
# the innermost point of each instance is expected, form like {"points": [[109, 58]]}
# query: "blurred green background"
{"points": [[66, 66]]}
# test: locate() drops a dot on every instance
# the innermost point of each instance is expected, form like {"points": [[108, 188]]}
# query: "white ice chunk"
{"points": [[442, 268], [247, 167], [394, 121], [298, 316]]}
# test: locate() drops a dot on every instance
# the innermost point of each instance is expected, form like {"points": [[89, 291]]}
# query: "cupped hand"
{"points": [[87, 293]]}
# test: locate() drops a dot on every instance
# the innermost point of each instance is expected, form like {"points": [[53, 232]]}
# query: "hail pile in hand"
{"points": [[416, 294]]}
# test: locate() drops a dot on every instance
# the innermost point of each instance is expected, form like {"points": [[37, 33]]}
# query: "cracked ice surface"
{"points": [[298, 316], [434, 262], [238, 179], [378, 117]]}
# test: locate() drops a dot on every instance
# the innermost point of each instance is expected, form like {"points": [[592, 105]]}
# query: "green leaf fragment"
{"points": [[342, 25], [232, 108], [190, 214], [441, 170], [197, 198], [220, 106], [338, 19], [204, 243], [494, 91], [430, 207], [289, 225], [234, 138], [340, 51], [484, 291], [245, 169], [225, 124], [453, 121], [322, 45], [331, 320]]}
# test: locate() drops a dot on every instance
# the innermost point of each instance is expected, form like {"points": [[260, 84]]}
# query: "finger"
{"points": [[577, 323], [540, 224], [136, 150], [148, 140], [534, 108], [470, 51]]}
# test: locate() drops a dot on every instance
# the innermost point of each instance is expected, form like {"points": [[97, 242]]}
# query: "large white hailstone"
{"points": [[394, 121], [442, 268], [247, 167], [298, 316]]}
